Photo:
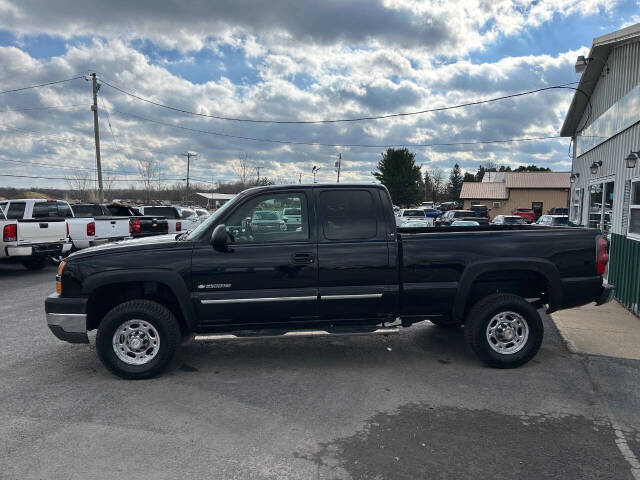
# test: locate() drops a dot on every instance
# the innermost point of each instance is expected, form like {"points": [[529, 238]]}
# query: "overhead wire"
{"points": [[42, 84], [340, 120], [321, 144]]}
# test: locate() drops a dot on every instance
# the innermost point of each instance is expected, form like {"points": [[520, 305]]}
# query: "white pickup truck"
{"points": [[93, 224], [180, 219], [33, 230]]}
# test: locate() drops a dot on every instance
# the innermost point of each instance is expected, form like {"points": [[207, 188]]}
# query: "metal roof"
{"points": [[486, 190], [599, 50], [537, 179]]}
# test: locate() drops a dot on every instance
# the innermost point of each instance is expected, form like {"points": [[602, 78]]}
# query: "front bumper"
{"points": [[67, 318], [606, 295]]}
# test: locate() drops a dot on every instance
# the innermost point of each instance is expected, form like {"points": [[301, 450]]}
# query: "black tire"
{"points": [[444, 323], [37, 263], [159, 317], [481, 315]]}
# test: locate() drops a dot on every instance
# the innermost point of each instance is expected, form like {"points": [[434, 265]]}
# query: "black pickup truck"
{"points": [[346, 270], [139, 225]]}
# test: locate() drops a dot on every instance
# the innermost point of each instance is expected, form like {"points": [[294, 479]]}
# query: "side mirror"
{"points": [[219, 238]]}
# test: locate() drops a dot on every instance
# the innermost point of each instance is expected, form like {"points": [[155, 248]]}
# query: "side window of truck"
{"points": [[261, 219], [348, 215], [15, 210]]}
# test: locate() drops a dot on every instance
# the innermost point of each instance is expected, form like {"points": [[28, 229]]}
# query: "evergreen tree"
{"points": [[455, 182], [402, 177]]}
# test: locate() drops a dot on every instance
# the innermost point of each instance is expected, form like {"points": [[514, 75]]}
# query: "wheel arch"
{"points": [[540, 267], [147, 281]]}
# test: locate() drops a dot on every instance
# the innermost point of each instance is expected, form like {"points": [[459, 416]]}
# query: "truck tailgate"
{"points": [[111, 227], [41, 231]]}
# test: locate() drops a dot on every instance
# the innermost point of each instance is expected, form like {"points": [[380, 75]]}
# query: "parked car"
{"points": [[558, 211], [346, 270], [140, 225], [527, 213], [202, 214], [33, 230], [267, 221], [480, 210], [406, 214], [431, 212], [465, 223], [179, 219], [292, 216], [447, 218], [446, 206], [508, 220], [553, 220], [427, 205], [103, 227], [416, 223]]}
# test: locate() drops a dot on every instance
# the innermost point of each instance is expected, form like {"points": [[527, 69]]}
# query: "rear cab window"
{"points": [[87, 211], [15, 210], [52, 209], [348, 215]]}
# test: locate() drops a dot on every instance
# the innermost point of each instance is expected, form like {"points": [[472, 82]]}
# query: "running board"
{"points": [[296, 333]]}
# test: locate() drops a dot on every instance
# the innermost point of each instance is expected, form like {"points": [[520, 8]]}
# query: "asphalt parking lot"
{"points": [[413, 405]]}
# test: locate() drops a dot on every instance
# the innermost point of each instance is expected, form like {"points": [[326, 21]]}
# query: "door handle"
{"points": [[302, 258]]}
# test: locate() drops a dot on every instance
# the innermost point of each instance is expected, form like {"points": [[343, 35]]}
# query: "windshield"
{"points": [[513, 220], [561, 221], [413, 213], [213, 218]]}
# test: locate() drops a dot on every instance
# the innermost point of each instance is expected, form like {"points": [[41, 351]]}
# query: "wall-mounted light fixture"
{"points": [[574, 177], [632, 159], [595, 166]]}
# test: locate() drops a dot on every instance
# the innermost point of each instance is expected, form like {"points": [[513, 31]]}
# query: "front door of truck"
{"points": [[356, 270], [269, 274]]}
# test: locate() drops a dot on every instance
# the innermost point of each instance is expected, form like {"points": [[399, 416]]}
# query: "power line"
{"points": [[341, 120], [42, 84], [43, 108], [66, 178], [354, 145]]}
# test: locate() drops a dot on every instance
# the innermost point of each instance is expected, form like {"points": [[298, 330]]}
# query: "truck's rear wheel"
{"points": [[504, 330], [138, 339]]}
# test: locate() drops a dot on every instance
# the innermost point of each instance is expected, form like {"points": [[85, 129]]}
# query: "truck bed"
{"points": [[439, 263]]}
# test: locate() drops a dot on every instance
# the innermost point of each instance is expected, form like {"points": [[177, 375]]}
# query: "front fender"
{"points": [[169, 278]]}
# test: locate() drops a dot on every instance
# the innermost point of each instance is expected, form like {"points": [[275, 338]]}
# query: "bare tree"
{"points": [[149, 170], [109, 182], [244, 169], [80, 183], [437, 182]]}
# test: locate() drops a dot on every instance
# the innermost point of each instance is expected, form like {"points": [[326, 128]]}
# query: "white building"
{"points": [[604, 123]]}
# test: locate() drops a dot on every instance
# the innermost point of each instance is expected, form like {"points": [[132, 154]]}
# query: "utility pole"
{"points": [[188, 155], [96, 133], [258, 181], [338, 165], [299, 178]]}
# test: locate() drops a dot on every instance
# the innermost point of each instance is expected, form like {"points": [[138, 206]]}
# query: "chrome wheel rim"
{"points": [[136, 342], [507, 333]]}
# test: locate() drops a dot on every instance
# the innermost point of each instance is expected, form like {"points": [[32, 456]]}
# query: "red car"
{"points": [[525, 213]]}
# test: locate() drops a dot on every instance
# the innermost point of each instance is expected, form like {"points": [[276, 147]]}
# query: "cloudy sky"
{"points": [[287, 60]]}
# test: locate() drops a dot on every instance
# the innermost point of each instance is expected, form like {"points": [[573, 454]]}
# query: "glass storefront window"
{"points": [[601, 206]]}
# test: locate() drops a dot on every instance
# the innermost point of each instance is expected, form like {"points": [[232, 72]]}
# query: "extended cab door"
{"points": [[357, 268], [269, 274]]}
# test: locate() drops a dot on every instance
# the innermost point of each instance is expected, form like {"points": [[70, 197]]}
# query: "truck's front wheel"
{"points": [[504, 330], [138, 339]]}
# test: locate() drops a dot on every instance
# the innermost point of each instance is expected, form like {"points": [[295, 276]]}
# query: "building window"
{"points": [[576, 206], [601, 206], [634, 210], [496, 204]]}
